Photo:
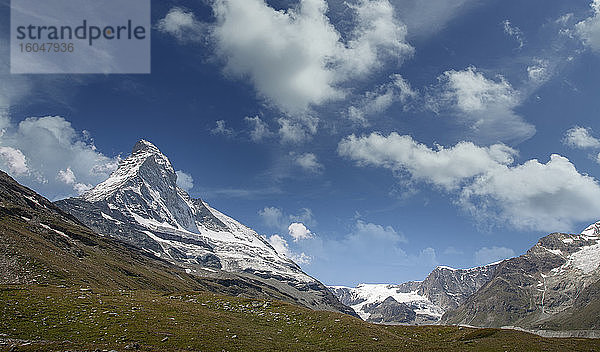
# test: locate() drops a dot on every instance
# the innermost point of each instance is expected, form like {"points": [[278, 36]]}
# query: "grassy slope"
{"points": [[52, 318]]}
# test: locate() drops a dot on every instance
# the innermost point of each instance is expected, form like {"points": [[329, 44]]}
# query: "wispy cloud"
{"points": [[380, 99], [515, 32], [589, 29], [309, 163], [221, 129], [487, 255], [486, 105]]}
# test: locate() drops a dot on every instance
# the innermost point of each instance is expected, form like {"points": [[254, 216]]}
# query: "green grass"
{"points": [[57, 319]]}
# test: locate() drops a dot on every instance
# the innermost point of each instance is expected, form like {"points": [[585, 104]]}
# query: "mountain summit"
{"points": [[141, 204]]}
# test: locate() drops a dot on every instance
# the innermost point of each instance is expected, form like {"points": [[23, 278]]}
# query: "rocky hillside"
{"points": [[40, 244], [555, 285], [141, 204]]}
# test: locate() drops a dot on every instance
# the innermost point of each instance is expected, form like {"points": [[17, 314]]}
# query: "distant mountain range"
{"points": [[417, 302], [554, 286]]}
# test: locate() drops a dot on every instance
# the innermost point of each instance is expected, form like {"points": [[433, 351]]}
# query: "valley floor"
{"points": [[50, 318]]}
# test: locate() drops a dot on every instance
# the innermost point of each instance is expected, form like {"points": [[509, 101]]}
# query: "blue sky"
{"points": [[396, 135]]}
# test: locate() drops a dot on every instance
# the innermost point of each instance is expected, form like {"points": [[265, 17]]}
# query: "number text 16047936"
{"points": [[50, 47]]}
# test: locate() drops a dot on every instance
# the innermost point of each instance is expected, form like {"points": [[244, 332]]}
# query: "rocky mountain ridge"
{"points": [[141, 204], [555, 286], [444, 289]]}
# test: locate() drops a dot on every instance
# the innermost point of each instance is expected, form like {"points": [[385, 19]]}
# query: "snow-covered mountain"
{"points": [[555, 285], [141, 204], [382, 303], [415, 302]]}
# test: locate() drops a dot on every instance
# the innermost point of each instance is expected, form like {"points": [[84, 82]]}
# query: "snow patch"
{"points": [[554, 251], [51, 229], [587, 259], [33, 200], [109, 218]]}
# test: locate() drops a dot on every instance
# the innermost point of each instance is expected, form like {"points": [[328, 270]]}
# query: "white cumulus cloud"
{"points": [[298, 231], [309, 163], [282, 248], [182, 24], [444, 167], [296, 58], [67, 176], [185, 181], [260, 129], [60, 161], [14, 160], [276, 219], [549, 197], [581, 137]]}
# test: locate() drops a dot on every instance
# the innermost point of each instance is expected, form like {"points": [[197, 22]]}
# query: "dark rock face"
{"points": [[390, 311], [449, 288], [141, 204]]}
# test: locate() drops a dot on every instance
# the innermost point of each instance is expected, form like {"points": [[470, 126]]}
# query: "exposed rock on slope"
{"points": [[141, 204], [40, 244], [555, 285]]}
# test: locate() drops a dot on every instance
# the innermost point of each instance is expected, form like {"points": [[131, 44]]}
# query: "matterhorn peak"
{"points": [[146, 166], [145, 146]]}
